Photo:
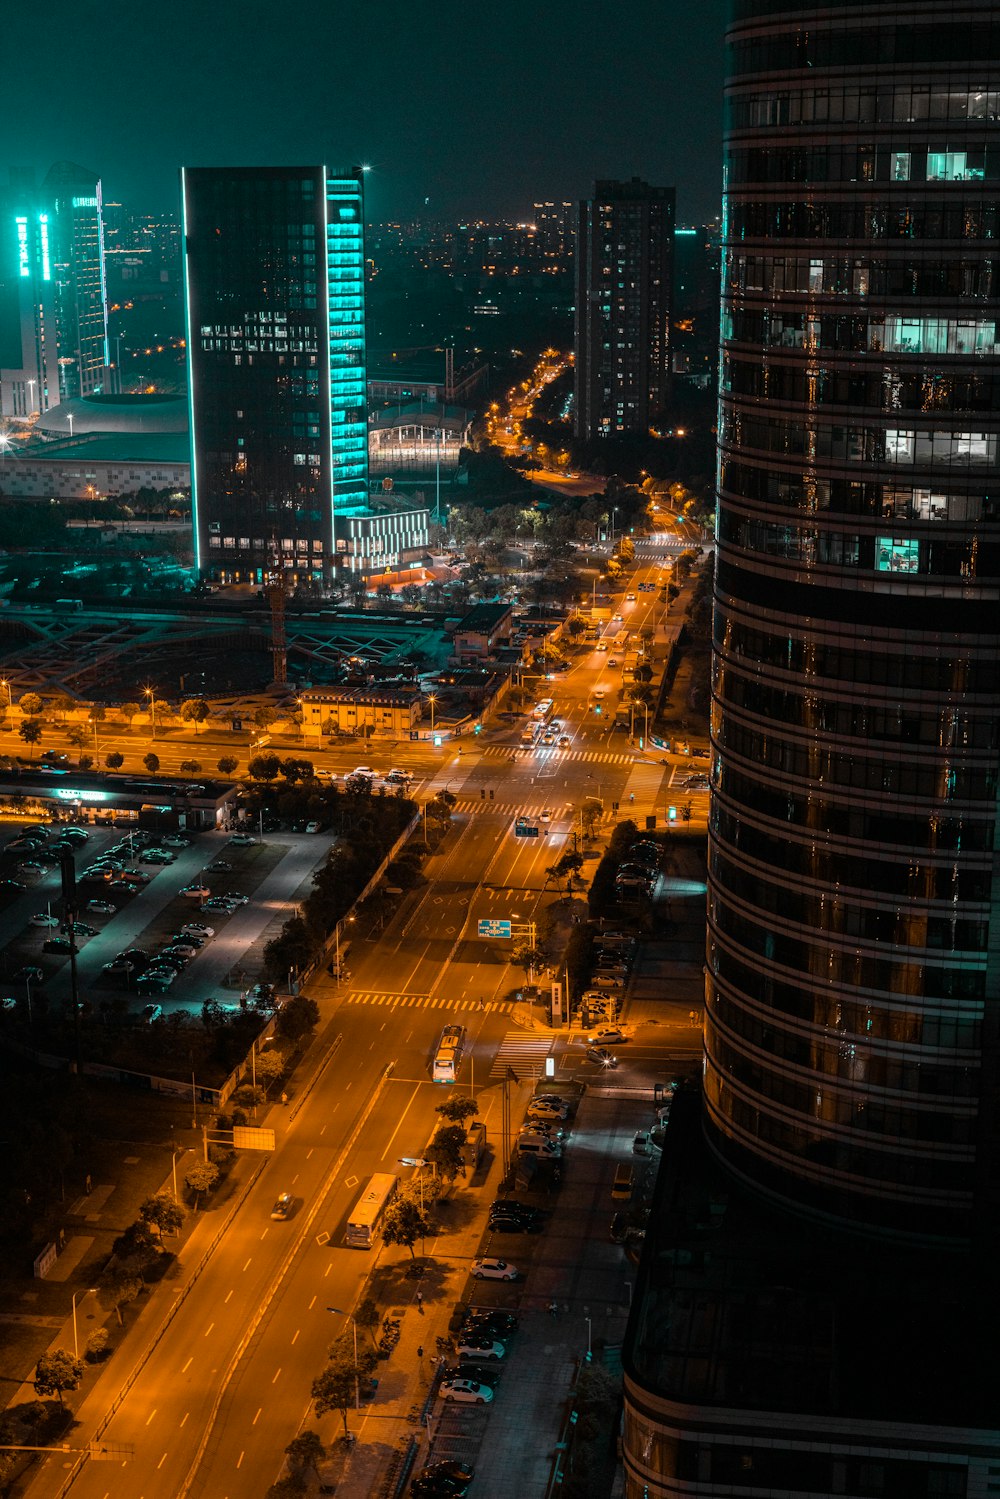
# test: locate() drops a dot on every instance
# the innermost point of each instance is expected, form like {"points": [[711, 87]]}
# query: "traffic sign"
{"points": [[494, 928]]}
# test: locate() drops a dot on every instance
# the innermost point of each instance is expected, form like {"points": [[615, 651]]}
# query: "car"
{"points": [[537, 1110], [398, 777], [235, 898], [510, 1205], [466, 1391], [601, 645], [548, 737], [443, 1480], [84, 929], [613, 661], [195, 891], [521, 1223], [606, 1035], [219, 866], [29, 867], [183, 948], [555, 725], [78, 835], [493, 1269], [155, 981], [312, 827], [475, 1347], [167, 958], [604, 980], [151, 1013], [135, 877], [261, 993], [623, 1229], [500, 1324], [486, 1373], [358, 783], [602, 1057], [217, 903], [198, 929], [564, 741], [157, 856], [630, 598], [617, 619], [12, 887], [640, 1142], [57, 945], [29, 974], [243, 840], [176, 840], [537, 1129], [364, 770], [102, 908], [42, 918], [283, 1207]]}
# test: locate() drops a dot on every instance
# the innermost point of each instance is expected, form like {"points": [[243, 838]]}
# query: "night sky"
{"points": [[479, 109]]}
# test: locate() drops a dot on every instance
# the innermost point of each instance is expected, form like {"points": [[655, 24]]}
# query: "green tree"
{"points": [[57, 1371], [77, 735], [117, 1287], [128, 711], [85, 762], [98, 713], [296, 1019], [305, 1452], [270, 1069], [333, 1390], [457, 1108], [201, 1177], [368, 1316], [264, 767], [190, 767], [591, 816], [264, 717], [445, 1150], [31, 731], [195, 710], [62, 705], [151, 762], [114, 761], [404, 1223], [162, 1213], [30, 704], [227, 765]]}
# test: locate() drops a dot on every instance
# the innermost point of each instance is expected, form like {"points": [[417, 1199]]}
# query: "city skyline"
{"points": [[450, 111]]}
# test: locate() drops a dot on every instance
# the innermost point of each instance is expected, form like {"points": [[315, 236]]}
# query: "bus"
{"points": [[529, 734], [448, 1057], [621, 640], [364, 1225], [542, 711]]}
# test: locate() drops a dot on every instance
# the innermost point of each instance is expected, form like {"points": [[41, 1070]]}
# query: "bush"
{"points": [[96, 1347]]}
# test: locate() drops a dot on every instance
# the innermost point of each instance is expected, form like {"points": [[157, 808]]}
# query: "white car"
{"points": [[466, 1392], [551, 1111], [195, 891], [607, 1035], [364, 770], [198, 930], [493, 1269], [41, 919]]}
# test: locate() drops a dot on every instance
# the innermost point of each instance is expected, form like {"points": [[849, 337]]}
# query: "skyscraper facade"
{"points": [[72, 195], [274, 280], [853, 973], [29, 347], [624, 259]]}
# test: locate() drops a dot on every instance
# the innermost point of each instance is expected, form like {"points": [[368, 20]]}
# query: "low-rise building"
{"points": [[482, 631], [90, 796], [386, 713]]}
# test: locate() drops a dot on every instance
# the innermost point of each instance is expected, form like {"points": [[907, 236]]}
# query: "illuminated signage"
{"points": [[82, 796], [22, 245], [84, 202], [43, 225]]}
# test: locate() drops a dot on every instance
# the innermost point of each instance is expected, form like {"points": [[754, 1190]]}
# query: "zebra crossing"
{"points": [[557, 757], [523, 1053], [391, 1001], [467, 805]]}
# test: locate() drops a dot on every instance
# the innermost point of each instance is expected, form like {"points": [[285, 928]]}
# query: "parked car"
{"points": [[466, 1391], [217, 903], [84, 929], [157, 856], [42, 918], [607, 1035], [151, 1013], [480, 1348], [102, 907], [497, 1323], [57, 945], [219, 866], [640, 1142], [243, 840], [540, 1110], [176, 840], [196, 891], [235, 898], [493, 1269], [443, 1480], [198, 929]]}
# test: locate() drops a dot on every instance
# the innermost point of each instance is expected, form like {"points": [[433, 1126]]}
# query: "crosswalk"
{"points": [[523, 1053], [556, 756], [391, 1001], [467, 805]]}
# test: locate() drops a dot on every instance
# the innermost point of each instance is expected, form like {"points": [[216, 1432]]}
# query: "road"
{"points": [[229, 1380]]}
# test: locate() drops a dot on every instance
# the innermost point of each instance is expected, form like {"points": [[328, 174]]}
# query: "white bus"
{"points": [[364, 1224], [542, 711], [448, 1057]]}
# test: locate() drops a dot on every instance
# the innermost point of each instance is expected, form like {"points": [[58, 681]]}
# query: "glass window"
{"points": [[893, 556]]}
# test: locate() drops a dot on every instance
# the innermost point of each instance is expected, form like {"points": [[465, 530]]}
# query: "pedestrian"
{"points": [[480, 1005], [420, 1302], [553, 1308], [420, 1350]]}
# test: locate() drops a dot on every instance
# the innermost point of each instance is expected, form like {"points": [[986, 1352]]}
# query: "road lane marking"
{"points": [[161, 1462], [257, 1416], [151, 1415], [239, 1460], [310, 1151], [187, 1365], [296, 1337], [311, 1305], [249, 1261], [208, 1329], [228, 1294], [295, 1178], [402, 1116], [277, 1373], [327, 1270], [183, 1423]]}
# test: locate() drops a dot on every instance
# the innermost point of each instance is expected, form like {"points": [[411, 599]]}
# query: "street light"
{"points": [[350, 1317], [432, 699], [4, 683], [81, 1294], [150, 693], [69, 418]]}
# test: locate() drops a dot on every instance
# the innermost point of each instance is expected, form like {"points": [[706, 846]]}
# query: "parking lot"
{"points": [[131, 903]]}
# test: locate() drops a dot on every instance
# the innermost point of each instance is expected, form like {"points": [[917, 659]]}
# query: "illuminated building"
{"points": [[73, 195], [274, 278], [624, 259], [29, 371]]}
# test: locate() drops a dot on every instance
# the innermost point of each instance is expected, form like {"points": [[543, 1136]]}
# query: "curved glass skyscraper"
{"points": [[854, 919]]}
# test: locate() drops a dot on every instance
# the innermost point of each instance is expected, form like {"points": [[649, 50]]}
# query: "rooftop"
{"points": [[109, 413], [482, 618], [110, 447]]}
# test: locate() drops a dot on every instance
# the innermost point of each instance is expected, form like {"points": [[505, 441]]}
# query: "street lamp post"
{"points": [[81, 1294], [6, 685], [150, 693], [350, 1317], [432, 699], [589, 1343]]}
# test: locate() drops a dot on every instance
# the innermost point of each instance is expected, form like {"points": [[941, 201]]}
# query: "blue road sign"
{"points": [[494, 929]]}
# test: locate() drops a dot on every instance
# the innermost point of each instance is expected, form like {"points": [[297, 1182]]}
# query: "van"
{"points": [[533, 1145], [624, 1182]]}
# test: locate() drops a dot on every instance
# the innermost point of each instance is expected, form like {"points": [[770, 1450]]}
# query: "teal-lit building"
{"points": [[275, 306]]}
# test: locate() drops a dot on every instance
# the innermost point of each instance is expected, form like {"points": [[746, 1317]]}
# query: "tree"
{"points": [[114, 761], [296, 1019], [30, 731], [264, 717], [85, 762], [62, 705], [404, 1223], [162, 1213], [195, 710], [190, 767], [687, 809], [117, 1287], [227, 765], [334, 1389], [98, 713], [306, 1451], [77, 734], [367, 1316], [270, 1069], [30, 704], [591, 816], [458, 1108], [264, 767], [151, 762], [57, 1371], [137, 1248], [528, 957], [445, 1150], [128, 711], [200, 1176]]}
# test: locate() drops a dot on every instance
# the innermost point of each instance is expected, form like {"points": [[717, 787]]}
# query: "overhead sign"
{"points": [[494, 929], [81, 796]]}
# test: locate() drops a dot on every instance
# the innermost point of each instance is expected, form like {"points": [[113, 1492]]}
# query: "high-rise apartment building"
{"points": [[274, 277], [854, 928], [827, 1211], [73, 197], [29, 348], [555, 234], [624, 259]]}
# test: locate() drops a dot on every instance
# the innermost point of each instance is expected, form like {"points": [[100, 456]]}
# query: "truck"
{"points": [[475, 1144]]}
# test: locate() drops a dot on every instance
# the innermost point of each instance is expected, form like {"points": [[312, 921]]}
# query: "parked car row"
{"points": [[481, 1343], [639, 870]]}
